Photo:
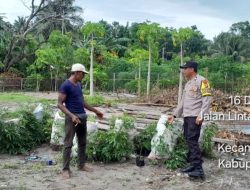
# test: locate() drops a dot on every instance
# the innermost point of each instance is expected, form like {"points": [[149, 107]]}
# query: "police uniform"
{"points": [[195, 101]]}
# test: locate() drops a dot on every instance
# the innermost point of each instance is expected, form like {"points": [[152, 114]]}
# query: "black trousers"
{"points": [[70, 130], [192, 134]]}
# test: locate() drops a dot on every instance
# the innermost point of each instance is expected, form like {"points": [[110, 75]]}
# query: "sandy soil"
{"points": [[15, 173]]}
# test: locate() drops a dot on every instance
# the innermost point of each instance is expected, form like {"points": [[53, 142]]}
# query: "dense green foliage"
{"points": [[142, 141], [178, 156], [27, 133], [207, 143], [109, 146], [45, 45]]}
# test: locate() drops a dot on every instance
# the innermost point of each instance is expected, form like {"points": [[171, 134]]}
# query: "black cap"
{"points": [[190, 64]]}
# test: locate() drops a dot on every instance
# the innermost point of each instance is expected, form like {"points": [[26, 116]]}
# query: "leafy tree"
{"points": [[232, 45], [137, 56], [81, 55], [66, 17], [57, 55], [25, 26], [196, 44], [150, 33], [179, 37], [241, 28], [92, 31], [6, 30]]}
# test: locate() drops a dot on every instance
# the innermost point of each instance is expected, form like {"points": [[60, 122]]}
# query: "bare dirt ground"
{"points": [[16, 173]]}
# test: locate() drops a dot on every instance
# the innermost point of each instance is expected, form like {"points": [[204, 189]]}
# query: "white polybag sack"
{"points": [[166, 137], [161, 125], [38, 112], [57, 133], [92, 127], [118, 124], [74, 148]]}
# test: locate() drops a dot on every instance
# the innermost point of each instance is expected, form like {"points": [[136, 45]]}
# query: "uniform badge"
{"points": [[205, 88]]}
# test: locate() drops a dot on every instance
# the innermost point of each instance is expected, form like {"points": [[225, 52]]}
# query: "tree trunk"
{"points": [[91, 69], [163, 53], [149, 70], [181, 78], [139, 80]]}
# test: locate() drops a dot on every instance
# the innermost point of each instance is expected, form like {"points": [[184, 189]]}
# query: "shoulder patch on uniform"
{"points": [[205, 88]]}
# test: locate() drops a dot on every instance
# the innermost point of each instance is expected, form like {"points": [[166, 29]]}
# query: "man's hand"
{"points": [[170, 119], [99, 114], [198, 120], [75, 120]]}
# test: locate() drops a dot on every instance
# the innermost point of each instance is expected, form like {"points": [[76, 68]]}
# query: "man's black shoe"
{"points": [[187, 169], [197, 173]]}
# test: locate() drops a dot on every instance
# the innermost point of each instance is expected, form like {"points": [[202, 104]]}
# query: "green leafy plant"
{"points": [[19, 136], [162, 147], [207, 143], [109, 146], [142, 141], [177, 157], [128, 122]]}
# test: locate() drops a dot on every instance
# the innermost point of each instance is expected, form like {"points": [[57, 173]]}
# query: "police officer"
{"points": [[195, 101]]}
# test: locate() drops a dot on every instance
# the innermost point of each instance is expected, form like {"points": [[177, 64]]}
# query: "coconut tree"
{"points": [[233, 45]]}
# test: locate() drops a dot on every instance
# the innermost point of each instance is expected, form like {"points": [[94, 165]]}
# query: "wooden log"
{"points": [[220, 140], [149, 104], [246, 109], [244, 141]]}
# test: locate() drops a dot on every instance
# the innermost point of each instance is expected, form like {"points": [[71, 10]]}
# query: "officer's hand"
{"points": [[198, 121], [99, 114], [75, 120], [170, 119]]}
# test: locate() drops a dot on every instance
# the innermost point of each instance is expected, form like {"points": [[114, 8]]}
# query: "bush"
{"points": [[24, 135], [109, 146], [178, 156], [128, 122], [142, 141], [207, 143]]}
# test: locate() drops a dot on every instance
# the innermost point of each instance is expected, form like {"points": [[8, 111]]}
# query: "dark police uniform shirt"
{"points": [[196, 98]]}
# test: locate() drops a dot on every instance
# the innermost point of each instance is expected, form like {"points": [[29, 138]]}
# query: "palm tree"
{"points": [[233, 45], [66, 17]]}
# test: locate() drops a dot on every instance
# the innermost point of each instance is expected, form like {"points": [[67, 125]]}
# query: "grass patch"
{"points": [[16, 97], [9, 166], [22, 98], [96, 100]]}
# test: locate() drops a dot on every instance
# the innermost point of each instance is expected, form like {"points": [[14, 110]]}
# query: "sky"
{"points": [[210, 16]]}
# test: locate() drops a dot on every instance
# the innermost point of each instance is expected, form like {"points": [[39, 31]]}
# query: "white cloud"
{"points": [[12, 9], [209, 16]]}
